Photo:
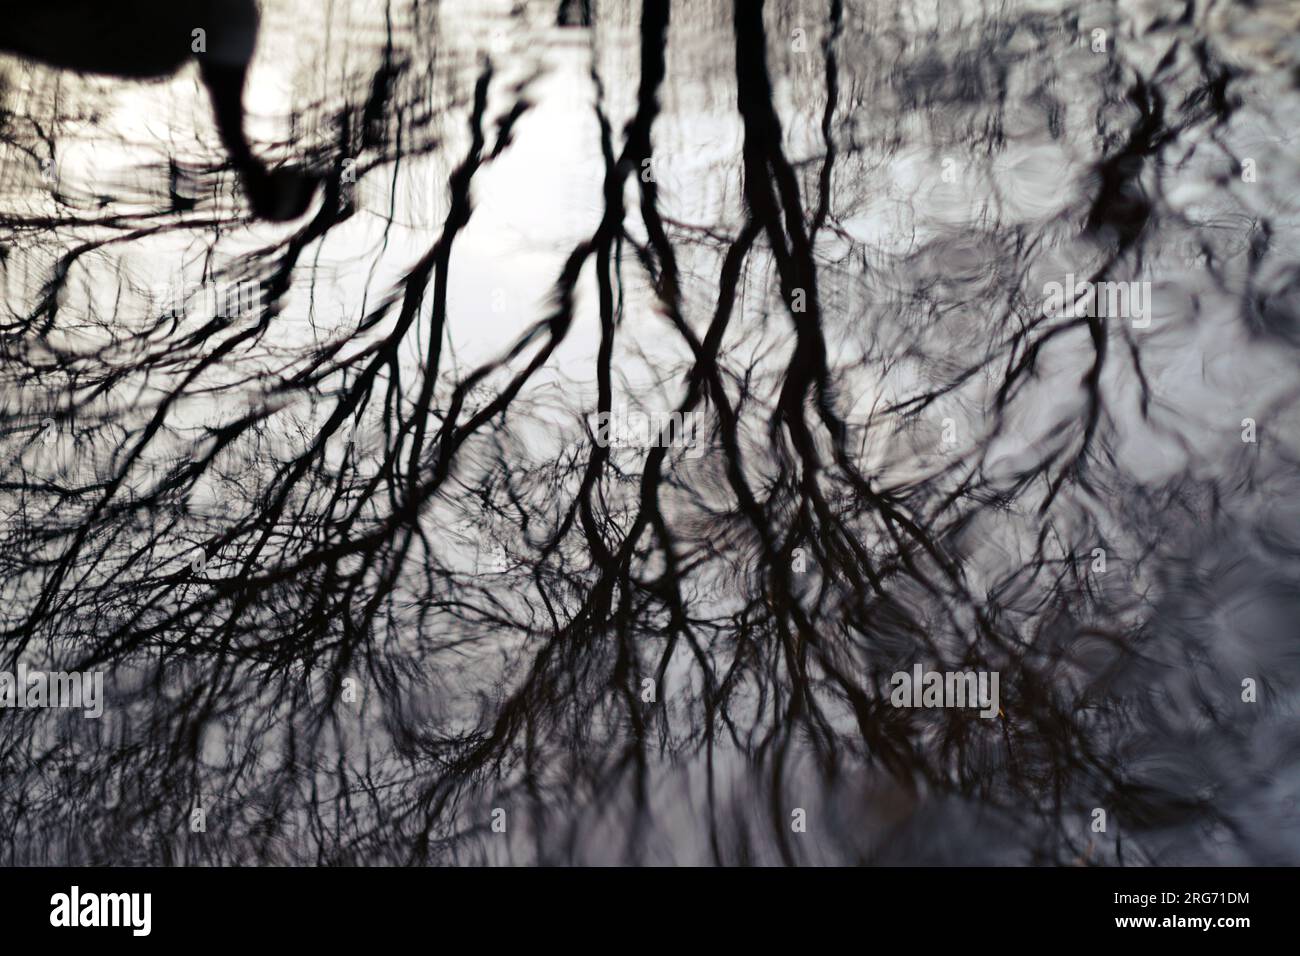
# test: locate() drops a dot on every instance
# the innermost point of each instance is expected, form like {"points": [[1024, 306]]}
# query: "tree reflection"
{"points": [[354, 592]]}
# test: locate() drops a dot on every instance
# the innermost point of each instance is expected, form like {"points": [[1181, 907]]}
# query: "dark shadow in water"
{"points": [[147, 39]]}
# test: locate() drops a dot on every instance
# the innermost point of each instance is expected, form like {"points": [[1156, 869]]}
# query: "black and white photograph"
{"points": [[633, 435]]}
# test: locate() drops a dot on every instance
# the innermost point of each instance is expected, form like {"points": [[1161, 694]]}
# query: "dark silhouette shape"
{"points": [[574, 13], [142, 39]]}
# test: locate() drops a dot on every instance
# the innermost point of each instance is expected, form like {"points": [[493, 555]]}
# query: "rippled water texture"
{"points": [[387, 549]]}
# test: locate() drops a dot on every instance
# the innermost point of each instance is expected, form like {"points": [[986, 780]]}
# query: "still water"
{"points": [[644, 395]]}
